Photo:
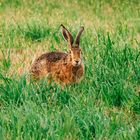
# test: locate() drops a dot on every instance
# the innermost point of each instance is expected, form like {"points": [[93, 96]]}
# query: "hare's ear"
{"points": [[78, 36], [67, 35]]}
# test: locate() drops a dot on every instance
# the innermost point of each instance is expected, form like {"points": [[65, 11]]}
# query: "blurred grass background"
{"points": [[105, 105]]}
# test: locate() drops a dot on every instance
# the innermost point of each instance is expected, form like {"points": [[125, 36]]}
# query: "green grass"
{"points": [[105, 105]]}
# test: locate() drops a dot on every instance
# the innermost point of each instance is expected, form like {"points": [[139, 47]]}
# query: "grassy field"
{"points": [[105, 105]]}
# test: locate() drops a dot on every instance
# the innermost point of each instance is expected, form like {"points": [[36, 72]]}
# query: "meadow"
{"points": [[105, 105]]}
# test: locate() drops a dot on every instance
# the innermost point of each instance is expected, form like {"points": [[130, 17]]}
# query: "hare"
{"points": [[63, 68]]}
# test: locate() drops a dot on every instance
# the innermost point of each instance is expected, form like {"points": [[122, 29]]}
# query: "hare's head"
{"points": [[75, 51]]}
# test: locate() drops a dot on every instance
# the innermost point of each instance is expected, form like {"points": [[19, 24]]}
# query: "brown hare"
{"points": [[64, 68]]}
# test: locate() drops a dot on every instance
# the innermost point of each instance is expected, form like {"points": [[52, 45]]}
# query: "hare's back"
{"points": [[42, 65], [52, 56]]}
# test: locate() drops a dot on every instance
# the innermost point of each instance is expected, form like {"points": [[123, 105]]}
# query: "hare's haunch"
{"points": [[65, 68]]}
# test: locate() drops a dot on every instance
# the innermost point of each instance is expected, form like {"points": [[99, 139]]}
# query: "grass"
{"points": [[105, 105]]}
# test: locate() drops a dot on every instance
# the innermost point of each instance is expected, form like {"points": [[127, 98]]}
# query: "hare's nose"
{"points": [[77, 61]]}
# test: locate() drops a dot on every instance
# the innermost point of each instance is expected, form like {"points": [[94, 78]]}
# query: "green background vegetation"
{"points": [[105, 105]]}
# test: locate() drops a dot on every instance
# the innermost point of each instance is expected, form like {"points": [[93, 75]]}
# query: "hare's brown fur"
{"points": [[64, 68]]}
